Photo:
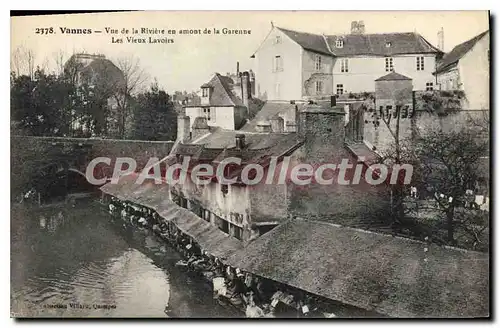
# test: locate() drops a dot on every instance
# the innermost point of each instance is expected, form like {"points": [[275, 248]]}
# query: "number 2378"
{"points": [[44, 30]]}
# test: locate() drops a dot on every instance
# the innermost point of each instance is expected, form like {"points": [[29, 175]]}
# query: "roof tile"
{"points": [[390, 275]]}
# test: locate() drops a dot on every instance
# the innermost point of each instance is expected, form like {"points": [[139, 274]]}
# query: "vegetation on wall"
{"points": [[439, 102]]}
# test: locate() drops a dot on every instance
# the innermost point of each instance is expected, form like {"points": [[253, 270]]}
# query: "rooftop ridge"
{"points": [[463, 250]]}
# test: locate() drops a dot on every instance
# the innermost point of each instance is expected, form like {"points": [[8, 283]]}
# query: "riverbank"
{"points": [[97, 263], [253, 295], [358, 273]]}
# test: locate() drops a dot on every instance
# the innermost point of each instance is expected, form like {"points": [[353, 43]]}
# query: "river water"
{"points": [[76, 262]]}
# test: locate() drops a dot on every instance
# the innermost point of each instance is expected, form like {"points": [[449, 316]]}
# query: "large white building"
{"points": [[293, 65]]}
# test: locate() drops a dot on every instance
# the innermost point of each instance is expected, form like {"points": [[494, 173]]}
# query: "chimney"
{"points": [[252, 83], [361, 27], [245, 88], [441, 39], [240, 141], [333, 101], [237, 69], [277, 124], [323, 132], [357, 27], [183, 134], [200, 127]]}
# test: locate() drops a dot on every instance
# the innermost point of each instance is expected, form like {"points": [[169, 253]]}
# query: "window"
{"points": [[278, 64], [206, 215], [207, 113], [420, 63], [204, 92], [429, 86], [387, 110], [340, 89], [388, 65], [224, 189], [278, 39], [388, 44], [339, 43], [223, 224], [397, 111], [196, 208], [319, 87], [405, 113], [318, 63], [237, 232], [344, 65], [183, 202]]}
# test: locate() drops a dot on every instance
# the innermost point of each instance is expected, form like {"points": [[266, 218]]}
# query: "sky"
{"points": [[191, 60]]}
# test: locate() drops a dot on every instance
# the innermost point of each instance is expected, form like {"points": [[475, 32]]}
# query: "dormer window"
{"points": [[205, 92], [339, 43], [388, 44]]}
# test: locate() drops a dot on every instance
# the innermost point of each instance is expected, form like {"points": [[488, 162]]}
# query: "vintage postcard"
{"points": [[263, 164]]}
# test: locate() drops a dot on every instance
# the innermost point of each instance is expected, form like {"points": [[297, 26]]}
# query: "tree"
{"points": [[59, 58], [154, 116], [449, 166], [23, 62], [394, 156], [41, 105], [133, 79]]}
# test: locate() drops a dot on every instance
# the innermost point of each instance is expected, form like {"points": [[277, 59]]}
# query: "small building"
{"points": [[393, 91], [467, 68], [224, 103]]}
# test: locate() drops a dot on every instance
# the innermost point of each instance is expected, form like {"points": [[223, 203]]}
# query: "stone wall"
{"points": [[30, 155], [378, 135]]}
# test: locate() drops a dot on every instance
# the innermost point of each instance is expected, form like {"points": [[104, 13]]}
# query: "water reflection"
{"points": [[74, 262]]}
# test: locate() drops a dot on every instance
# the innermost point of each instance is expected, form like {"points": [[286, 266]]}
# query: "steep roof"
{"points": [[458, 52], [221, 94], [393, 76], [390, 275], [363, 44], [200, 123], [309, 41]]}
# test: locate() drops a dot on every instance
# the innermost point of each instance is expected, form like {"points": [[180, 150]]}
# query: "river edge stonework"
{"points": [[231, 260]]}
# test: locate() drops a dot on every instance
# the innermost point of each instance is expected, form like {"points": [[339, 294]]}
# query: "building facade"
{"points": [[467, 68], [293, 65], [224, 103]]}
